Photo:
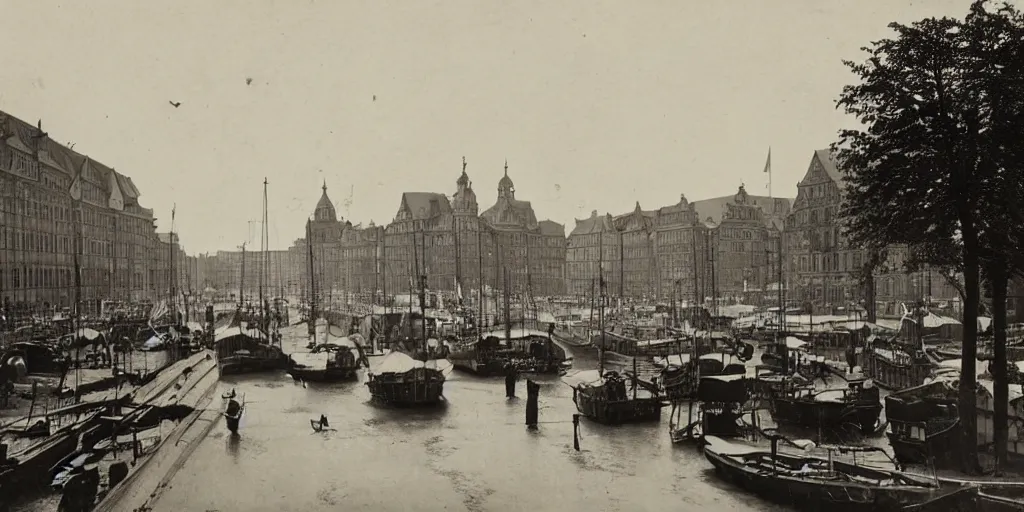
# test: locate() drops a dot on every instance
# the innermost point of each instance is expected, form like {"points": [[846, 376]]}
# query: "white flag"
{"points": [[76, 185]]}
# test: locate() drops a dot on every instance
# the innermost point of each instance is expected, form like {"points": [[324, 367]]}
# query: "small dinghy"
{"points": [[233, 414], [320, 425]]}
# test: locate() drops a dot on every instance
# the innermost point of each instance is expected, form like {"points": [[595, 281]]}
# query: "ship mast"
{"points": [[312, 283], [600, 284], [264, 323]]}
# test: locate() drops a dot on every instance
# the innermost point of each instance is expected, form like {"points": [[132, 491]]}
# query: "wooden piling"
{"points": [[576, 432]]}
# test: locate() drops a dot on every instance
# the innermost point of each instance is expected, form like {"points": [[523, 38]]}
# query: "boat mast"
{"points": [[264, 321], [423, 290], [241, 280], [505, 308], [78, 283], [480, 278], [172, 275], [312, 282], [696, 292], [384, 268], [600, 282], [414, 270]]}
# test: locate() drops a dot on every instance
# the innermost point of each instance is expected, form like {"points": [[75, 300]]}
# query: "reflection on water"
{"points": [[475, 454], [233, 440]]}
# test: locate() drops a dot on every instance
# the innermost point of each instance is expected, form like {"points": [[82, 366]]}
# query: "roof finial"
{"points": [[463, 164], [325, 185], [506, 167]]}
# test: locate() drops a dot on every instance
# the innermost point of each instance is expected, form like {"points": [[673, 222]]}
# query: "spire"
{"points": [[506, 167], [325, 185], [463, 164]]}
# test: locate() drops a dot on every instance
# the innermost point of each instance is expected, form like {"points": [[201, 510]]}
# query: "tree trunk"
{"points": [[968, 398], [999, 282]]}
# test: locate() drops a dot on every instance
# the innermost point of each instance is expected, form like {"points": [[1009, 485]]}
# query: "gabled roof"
{"points": [[644, 218], [424, 205], [823, 157], [551, 228], [714, 208], [594, 224], [510, 211]]}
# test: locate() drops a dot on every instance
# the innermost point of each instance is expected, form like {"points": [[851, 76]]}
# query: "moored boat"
{"points": [[924, 424], [857, 404], [529, 350], [815, 483], [334, 361], [401, 380], [603, 397], [241, 351], [719, 410]]}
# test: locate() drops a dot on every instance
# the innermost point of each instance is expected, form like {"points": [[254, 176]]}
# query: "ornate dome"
{"points": [[324, 209], [505, 186]]}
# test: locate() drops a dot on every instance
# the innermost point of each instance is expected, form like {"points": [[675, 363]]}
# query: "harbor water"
{"points": [[475, 454]]}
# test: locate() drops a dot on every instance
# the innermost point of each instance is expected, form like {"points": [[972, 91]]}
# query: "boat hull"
{"points": [[243, 365], [813, 414], [323, 375], [472, 365], [232, 422], [407, 394], [619, 412], [813, 494]]}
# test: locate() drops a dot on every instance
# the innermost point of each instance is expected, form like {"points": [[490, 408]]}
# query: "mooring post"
{"points": [[135, 444], [532, 393], [576, 432]]}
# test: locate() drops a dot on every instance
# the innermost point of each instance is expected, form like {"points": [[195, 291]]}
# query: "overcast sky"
{"points": [[595, 104]]}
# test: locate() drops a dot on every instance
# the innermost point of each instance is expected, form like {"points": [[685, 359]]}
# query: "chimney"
{"points": [[593, 214]]}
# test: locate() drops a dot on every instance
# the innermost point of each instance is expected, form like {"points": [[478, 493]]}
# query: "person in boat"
{"points": [[323, 421]]}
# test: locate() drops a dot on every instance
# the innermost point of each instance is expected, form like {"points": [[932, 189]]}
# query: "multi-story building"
{"points": [[532, 252], [822, 268], [53, 201], [681, 251], [741, 242]]}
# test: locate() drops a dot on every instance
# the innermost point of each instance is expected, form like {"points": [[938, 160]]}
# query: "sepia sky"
{"points": [[595, 104]]}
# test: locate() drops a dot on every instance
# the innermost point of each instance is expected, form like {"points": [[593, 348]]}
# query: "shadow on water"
{"points": [[233, 444]]}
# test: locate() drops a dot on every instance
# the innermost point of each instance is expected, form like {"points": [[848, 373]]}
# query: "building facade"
{"points": [[822, 267], [56, 204]]}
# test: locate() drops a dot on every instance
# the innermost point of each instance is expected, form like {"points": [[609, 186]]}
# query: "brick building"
{"points": [[822, 267], [40, 221], [532, 251]]}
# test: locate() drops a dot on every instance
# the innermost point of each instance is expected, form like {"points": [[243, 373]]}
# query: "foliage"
{"points": [[936, 166]]}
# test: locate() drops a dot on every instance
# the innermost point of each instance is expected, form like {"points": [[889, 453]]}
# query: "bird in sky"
{"points": [[248, 81], [175, 105], [374, 97]]}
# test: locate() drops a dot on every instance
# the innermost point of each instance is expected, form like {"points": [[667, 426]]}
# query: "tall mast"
{"points": [[263, 263], [600, 283], [415, 271], [423, 290], [384, 266], [506, 306], [241, 280], [479, 277], [312, 280], [172, 270], [696, 293]]}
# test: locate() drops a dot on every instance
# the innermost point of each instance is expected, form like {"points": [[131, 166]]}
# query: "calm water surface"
{"points": [[475, 455]]}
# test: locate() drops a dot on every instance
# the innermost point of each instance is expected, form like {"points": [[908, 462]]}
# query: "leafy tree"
{"points": [[922, 170], [995, 72]]}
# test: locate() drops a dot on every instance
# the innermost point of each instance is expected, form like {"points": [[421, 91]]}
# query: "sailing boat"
{"points": [[602, 397], [248, 349], [528, 350], [329, 359], [410, 379]]}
